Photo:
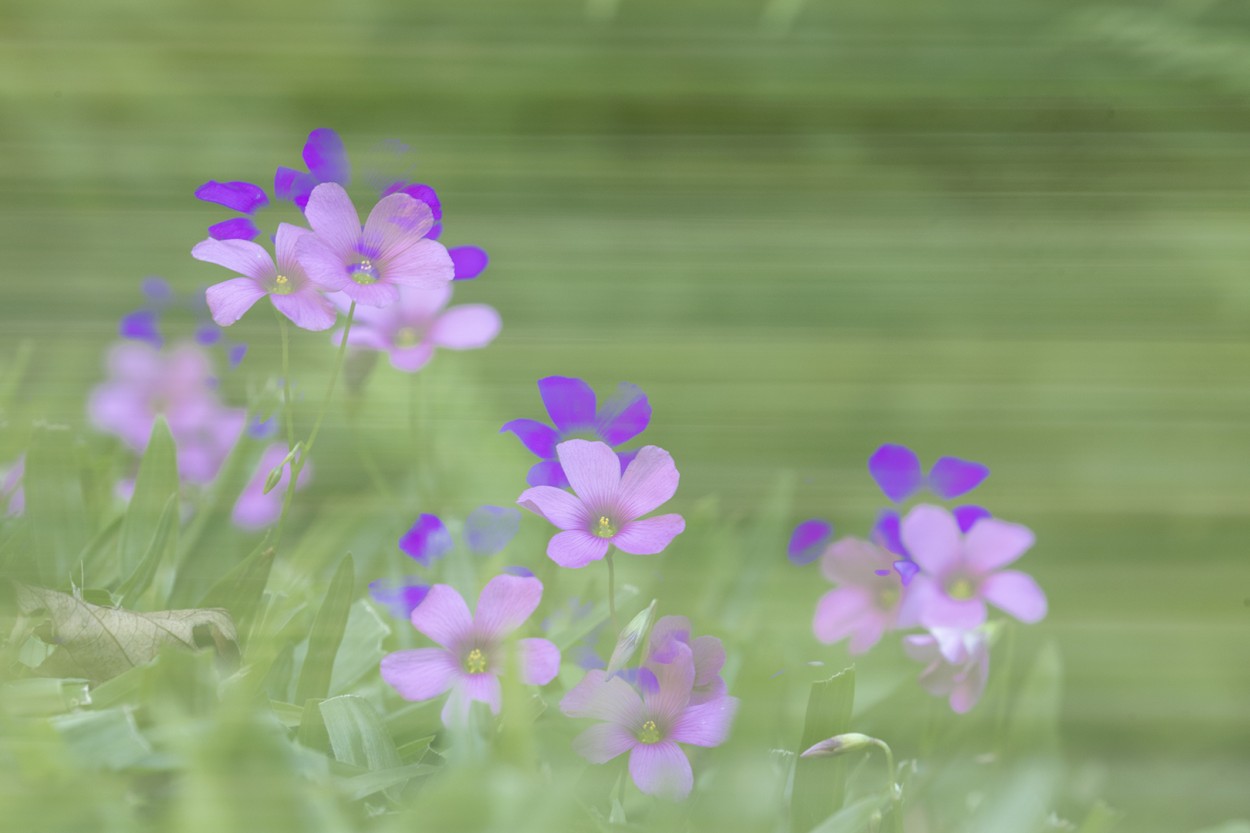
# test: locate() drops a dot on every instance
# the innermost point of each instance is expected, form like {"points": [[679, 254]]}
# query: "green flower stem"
{"points": [[616, 626], [334, 377]]}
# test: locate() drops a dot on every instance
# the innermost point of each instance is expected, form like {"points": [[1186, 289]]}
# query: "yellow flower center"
{"points": [[960, 589], [604, 528], [364, 273], [887, 597], [407, 337], [649, 733], [282, 285], [475, 662]]}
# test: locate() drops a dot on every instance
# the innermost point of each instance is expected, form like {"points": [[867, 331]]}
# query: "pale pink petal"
{"points": [[466, 327], [333, 217], [456, 709], [504, 604], [1016, 593], [853, 560], [709, 659], [540, 661], [839, 612], [420, 674], [307, 309], [419, 305], [603, 742], [483, 688], [396, 223], [240, 256], [706, 724], [575, 548], [650, 535], [228, 300], [992, 543], [371, 295], [925, 603], [649, 481], [661, 769], [593, 470], [666, 686], [555, 505], [598, 697], [365, 338], [284, 246], [443, 617], [322, 265], [424, 265], [411, 359], [869, 632], [932, 536]]}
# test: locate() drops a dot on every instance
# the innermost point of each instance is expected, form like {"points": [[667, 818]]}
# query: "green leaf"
{"points": [[240, 590], [163, 543], [99, 643], [106, 739], [371, 782], [820, 783], [414, 750], [1100, 818], [361, 648], [357, 734], [54, 507], [156, 483], [327, 634], [43, 696], [854, 817]]}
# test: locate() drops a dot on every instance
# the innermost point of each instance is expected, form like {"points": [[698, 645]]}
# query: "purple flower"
{"points": [[606, 508], [427, 540], [865, 603], [141, 325], [326, 159], [960, 573], [707, 653], [650, 727], [571, 404], [957, 664], [243, 197], [409, 330], [12, 496], [287, 284], [488, 529], [254, 509], [471, 656], [370, 265], [896, 468], [400, 598], [469, 261], [144, 382], [808, 541]]}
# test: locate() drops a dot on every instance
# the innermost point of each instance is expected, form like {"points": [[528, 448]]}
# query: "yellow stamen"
{"points": [[604, 528], [887, 597], [407, 337], [281, 280], [960, 589], [649, 733], [475, 662]]}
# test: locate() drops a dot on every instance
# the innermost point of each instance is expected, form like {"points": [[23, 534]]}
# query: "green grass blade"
{"points": [[164, 542], [327, 634], [156, 483], [820, 783]]}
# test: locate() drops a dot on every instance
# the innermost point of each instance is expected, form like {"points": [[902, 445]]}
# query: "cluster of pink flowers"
{"points": [[934, 569]]}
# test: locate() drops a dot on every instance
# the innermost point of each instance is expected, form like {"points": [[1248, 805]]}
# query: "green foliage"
{"points": [[820, 783]]}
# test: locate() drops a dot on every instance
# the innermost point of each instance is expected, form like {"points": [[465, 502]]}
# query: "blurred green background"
{"points": [[1013, 231]]}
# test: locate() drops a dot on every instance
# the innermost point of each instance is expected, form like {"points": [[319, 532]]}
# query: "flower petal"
{"points": [[887, 532], [967, 516], [593, 471], [488, 529], [648, 483], [540, 660], [547, 473], [483, 688], [555, 505], [666, 686], [321, 264], [411, 359], [539, 438], [333, 217], [422, 265], [421, 305], [456, 710], [650, 535], [400, 598], [466, 327], [661, 769], [624, 416], [840, 612], [239, 256], [706, 724], [709, 659], [243, 197], [926, 604], [569, 401], [238, 228], [1017, 594], [396, 223], [951, 477], [575, 548], [932, 536], [307, 309], [603, 742], [284, 247], [443, 617], [853, 561], [371, 295], [326, 157], [993, 543], [808, 541], [504, 605], [603, 698], [426, 540], [896, 468], [468, 262], [421, 674], [228, 300]]}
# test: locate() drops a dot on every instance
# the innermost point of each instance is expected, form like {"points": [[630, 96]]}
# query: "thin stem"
{"points": [[288, 415], [616, 626], [334, 377]]}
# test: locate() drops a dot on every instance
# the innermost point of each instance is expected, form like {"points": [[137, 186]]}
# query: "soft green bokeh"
{"points": [[1010, 230]]}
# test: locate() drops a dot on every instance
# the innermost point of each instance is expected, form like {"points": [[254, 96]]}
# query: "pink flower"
{"points": [[287, 284], [960, 573], [254, 509], [408, 331], [471, 656], [707, 653], [650, 726], [606, 508], [866, 601], [957, 664], [370, 264]]}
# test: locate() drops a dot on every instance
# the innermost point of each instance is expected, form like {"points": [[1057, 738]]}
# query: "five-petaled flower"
{"points": [[572, 406], [471, 655], [287, 283], [650, 727], [608, 504], [865, 603], [370, 264], [707, 653], [957, 664]]}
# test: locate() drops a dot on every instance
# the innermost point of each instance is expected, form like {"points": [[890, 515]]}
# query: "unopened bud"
{"points": [[629, 639], [839, 745], [275, 476]]}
